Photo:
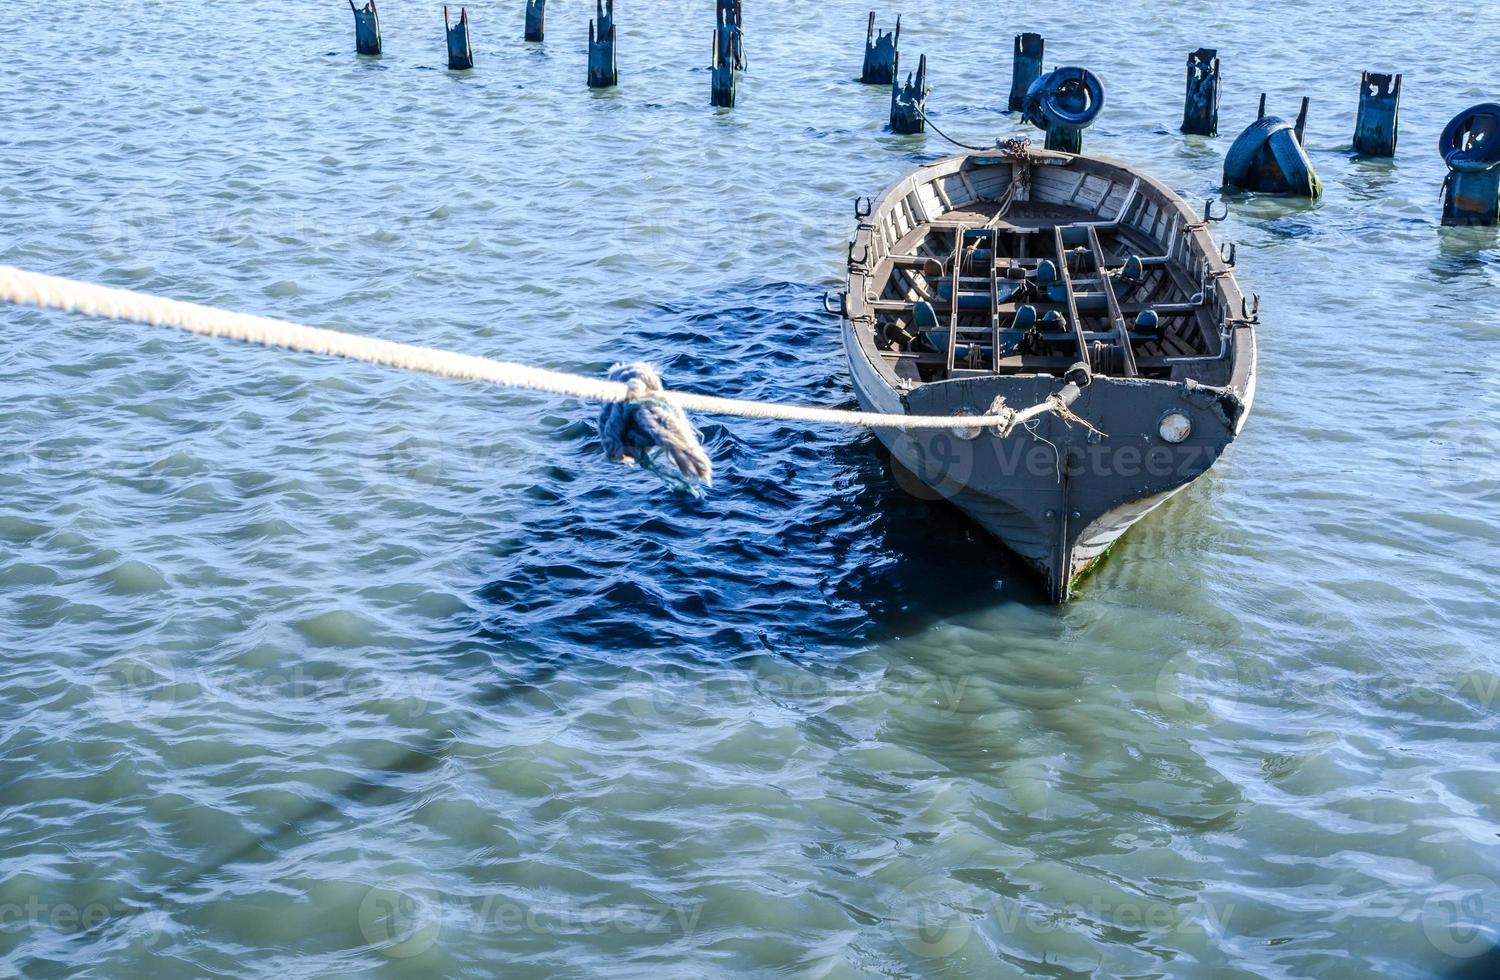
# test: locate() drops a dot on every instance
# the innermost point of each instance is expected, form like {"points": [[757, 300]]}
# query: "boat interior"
{"points": [[1005, 265]]}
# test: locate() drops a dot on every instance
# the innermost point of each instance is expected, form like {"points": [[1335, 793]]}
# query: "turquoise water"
{"points": [[317, 669]]}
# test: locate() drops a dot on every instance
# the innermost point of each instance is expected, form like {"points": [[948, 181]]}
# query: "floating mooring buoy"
{"points": [[909, 101], [1268, 157], [366, 28], [604, 72], [1379, 108], [1470, 146], [1200, 108], [1064, 102], [880, 54], [536, 20], [460, 54], [1025, 68], [729, 53]]}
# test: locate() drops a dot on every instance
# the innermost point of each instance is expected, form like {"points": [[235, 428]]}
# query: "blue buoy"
{"points": [[460, 54], [880, 54], [1200, 109], [1026, 67], [536, 20], [909, 101], [1064, 102], [366, 28], [1470, 146], [1268, 157], [1379, 108], [604, 71]]}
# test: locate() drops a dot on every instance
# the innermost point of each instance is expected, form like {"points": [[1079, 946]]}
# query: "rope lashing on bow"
{"points": [[650, 429]]}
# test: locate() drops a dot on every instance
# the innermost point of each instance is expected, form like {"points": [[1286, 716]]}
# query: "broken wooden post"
{"points": [[366, 28], [460, 54], [1025, 69], [732, 12], [909, 101], [1470, 145], [1200, 109], [536, 20], [1379, 107], [728, 55], [880, 54], [603, 70], [1268, 157], [1063, 103]]}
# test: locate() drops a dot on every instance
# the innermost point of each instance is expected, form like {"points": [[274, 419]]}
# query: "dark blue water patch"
{"points": [[806, 544]]}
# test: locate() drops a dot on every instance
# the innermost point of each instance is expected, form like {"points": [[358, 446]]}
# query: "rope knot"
{"points": [[649, 431]]}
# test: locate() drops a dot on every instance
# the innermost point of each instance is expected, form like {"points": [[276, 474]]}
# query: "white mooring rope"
{"points": [[50, 292]]}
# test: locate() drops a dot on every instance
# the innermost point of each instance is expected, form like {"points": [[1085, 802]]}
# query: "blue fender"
{"points": [[1468, 155], [1267, 157], [1068, 98]]}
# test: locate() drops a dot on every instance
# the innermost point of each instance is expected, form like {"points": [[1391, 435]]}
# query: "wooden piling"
{"points": [[604, 71], [460, 53], [1200, 109], [536, 20], [366, 28], [909, 101], [880, 54], [1379, 110], [728, 56], [1471, 191], [1025, 68]]}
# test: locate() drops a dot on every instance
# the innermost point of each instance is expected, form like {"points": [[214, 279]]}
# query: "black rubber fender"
{"points": [[1482, 155], [1267, 157], [1049, 100]]}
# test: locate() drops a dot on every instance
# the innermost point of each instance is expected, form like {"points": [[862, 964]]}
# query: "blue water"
{"points": [[319, 669]]}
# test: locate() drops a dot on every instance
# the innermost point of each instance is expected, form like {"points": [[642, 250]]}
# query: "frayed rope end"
{"points": [[650, 432]]}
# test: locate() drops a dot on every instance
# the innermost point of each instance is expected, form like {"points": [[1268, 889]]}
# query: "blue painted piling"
{"points": [[460, 53], [1470, 146], [909, 101], [1064, 102], [1268, 157], [366, 28], [880, 54], [536, 20], [1379, 110], [728, 55], [604, 71], [732, 12], [1200, 109], [1026, 68]]}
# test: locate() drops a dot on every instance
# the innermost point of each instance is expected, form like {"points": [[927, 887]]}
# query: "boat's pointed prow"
{"points": [[989, 282]]}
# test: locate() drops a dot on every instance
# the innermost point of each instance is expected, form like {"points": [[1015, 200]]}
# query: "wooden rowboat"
{"points": [[1022, 274]]}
